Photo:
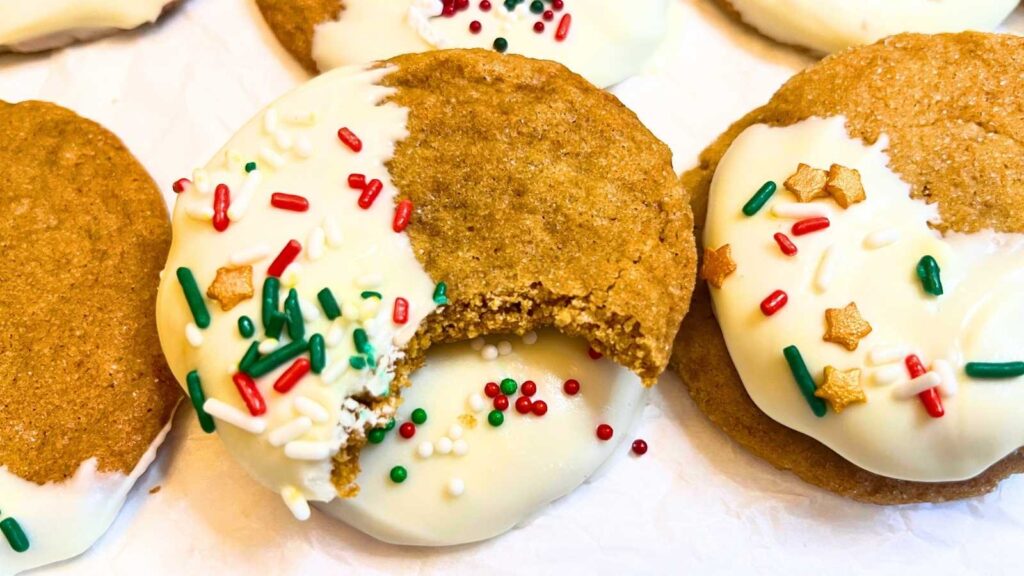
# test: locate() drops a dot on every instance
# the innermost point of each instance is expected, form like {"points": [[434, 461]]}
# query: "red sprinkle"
{"points": [[492, 389], [475, 26], [292, 202], [930, 398], [370, 193], [485, 5], [605, 432], [563, 27], [785, 244], [221, 203], [400, 315], [403, 214], [250, 394], [639, 447], [501, 402], [407, 430], [810, 225], [356, 181], [540, 408], [524, 405], [348, 138], [571, 387], [529, 388], [549, 15], [290, 377], [286, 257], [538, 27], [594, 354], [180, 184], [558, 4], [774, 302]]}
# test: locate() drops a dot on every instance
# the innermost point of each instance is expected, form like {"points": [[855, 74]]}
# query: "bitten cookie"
{"points": [[44, 25], [606, 41], [85, 395], [376, 211], [832, 25], [863, 248]]}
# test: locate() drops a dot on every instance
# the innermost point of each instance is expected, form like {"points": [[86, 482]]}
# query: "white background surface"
{"points": [[696, 503]]}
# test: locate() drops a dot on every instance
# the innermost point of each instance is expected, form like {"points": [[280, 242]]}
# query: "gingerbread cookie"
{"points": [[85, 396], [833, 25], [867, 337], [376, 211], [606, 41], [38, 26]]}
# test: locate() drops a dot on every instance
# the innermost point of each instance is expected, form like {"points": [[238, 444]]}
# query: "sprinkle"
{"points": [[504, 348], [948, 386], [316, 244], [398, 474], [296, 323], [994, 370], [317, 354], [881, 238], [916, 386], [201, 181], [292, 275], [605, 432], [500, 44], [198, 397], [15, 535], [333, 372], [774, 302], [419, 416], [370, 193], [271, 157], [310, 313], [501, 402], [524, 405], [328, 303], [296, 503], [202, 213], [882, 355], [508, 386], [303, 450], [356, 181], [491, 389], [571, 387], [529, 388], [760, 198], [376, 436], [303, 147], [290, 431], [530, 338], [441, 294], [888, 375], [361, 341], [798, 211], [180, 185], [489, 352], [277, 358], [785, 244], [335, 335], [227, 413], [367, 294], [400, 311], [456, 487], [826, 269], [194, 335], [845, 326], [460, 448], [283, 141], [311, 409], [250, 166], [841, 388], [594, 354], [231, 287], [407, 430], [290, 377], [269, 345], [804, 380], [250, 393], [194, 297], [809, 225], [563, 27], [332, 231], [252, 354], [443, 445], [807, 183], [246, 327], [270, 121], [290, 202], [476, 402], [348, 138], [425, 449], [249, 255], [455, 431], [639, 447], [495, 418], [241, 204], [845, 186], [930, 397], [403, 215], [286, 257], [717, 265], [357, 362], [540, 408], [929, 274]]}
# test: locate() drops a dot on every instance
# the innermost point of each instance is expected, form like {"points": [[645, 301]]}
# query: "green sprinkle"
{"points": [[278, 357], [14, 534], [536, 6], [500, 44], [495, 418], [376, 436], [296, 324], [357, 362], [251, 356], [399, 474], [509, 386], [250, 166], [804, 380], [277, 322], [317, 355], [390, 425], [994, 370], [419, 416], [760, 198], [327, 301], [371, 294], [194, 297], [195, 392], [271, 288], [441, 294], [929, 274], [245, 327], [361, 341]]}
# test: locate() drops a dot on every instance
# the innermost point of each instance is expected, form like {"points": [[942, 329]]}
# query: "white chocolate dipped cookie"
{"points": [[606, 41], [832, 25], [46, 24]]}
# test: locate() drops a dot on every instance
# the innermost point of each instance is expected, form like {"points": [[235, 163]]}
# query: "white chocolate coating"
{"points": [[42, 24], [609, 40], [64, 520], [505, 474], [876, 246], [832, 25]]}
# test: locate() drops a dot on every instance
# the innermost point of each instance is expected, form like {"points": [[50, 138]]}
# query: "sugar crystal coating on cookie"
{"points": [[36, 26]]}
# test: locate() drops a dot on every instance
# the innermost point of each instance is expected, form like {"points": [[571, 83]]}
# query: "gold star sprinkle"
{"points": [[844, 185], [841, 388], [807, 183], [845, 326], [231, 286], [718, 264]]}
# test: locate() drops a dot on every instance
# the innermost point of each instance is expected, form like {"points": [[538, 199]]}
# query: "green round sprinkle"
{"points": [[399, 474], [330, 305], [804, 380], [194, 297], [250, 166], [536, 6], [366, 294], [277, 358], [317, 355], [994, 370], [509, 386], [495, 418], [441, 294], [195, 392], [390, 425], [376, 436], [251, 356], [500, 44], [296, 324], [245, 327], [760, 198], [14, 534], [357, 362], [419, 416]]}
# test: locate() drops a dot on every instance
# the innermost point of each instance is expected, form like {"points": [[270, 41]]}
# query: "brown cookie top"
{"points": [[293, 22], [950, 106], [86, 231]]}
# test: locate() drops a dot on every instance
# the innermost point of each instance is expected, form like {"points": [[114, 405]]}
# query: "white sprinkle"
{"points": [[460, 448], [477, 343], [882, 355], [826, 269], [271, 157], [799, 210], [310, 311], [296, 503], [311, 409], [425, 449], [201, 212], [489, 352], [949, 386], [476, 402], [232, 158], [302, 118], [443, 445], [291, 275], [530, 338], [283, 141], [336, 370], [303, 147], [240, 204], [302, 450], [455, 432], [371, 280], [350, 309], [456, 487], [316, 244], [335, 335], [194, 335], [291, 431], [249, 255], [201, 180], [888, 375], [234, 416], [881, 238], [268, 345], [332, 231], [369, 308], [270, 121], [926, 381], [504, 348]]}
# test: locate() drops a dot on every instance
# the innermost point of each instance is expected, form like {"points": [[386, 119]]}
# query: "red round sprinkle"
{"points": [[221, 202], [605, 432], [774, 302], [485, 5], [549, 15], [529, 388], [180, 184], [370, 194], [538, 27], [250, 394], [348, 138], [403, 214], [563, 27], [290, 377], [407, 430], [292, 202], [501, 402], [475, 26], [558, 4], [810, 225], [540, 408], [286, 257], [492, 389], [400, 315], [594, 354], [356, 181], [785, 244], [639, 447], [461, 4], [524, 405], [571, 387]]}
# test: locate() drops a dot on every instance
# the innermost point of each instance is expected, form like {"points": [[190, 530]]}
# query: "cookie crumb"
{"points": [[718, 264], [845, 186], [155, 489], [807, 183], [232, 286]]}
